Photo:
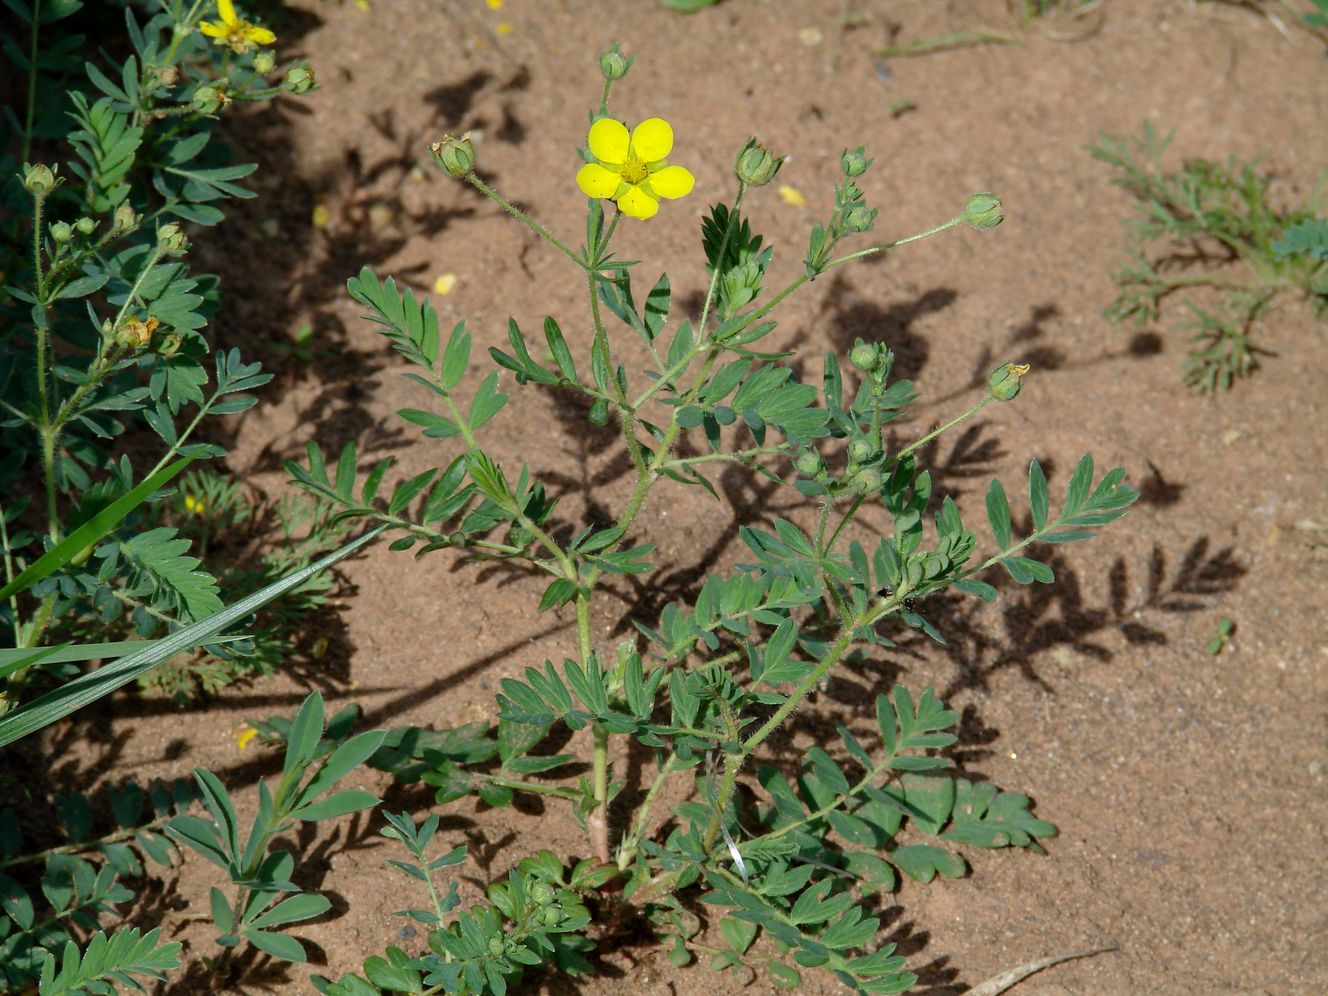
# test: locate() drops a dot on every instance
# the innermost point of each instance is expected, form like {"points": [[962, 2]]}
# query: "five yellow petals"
{"points": [[234, 31], [632, 168]]}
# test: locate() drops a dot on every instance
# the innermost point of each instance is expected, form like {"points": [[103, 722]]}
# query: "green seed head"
{"points": [[454, 155], [1005, 381], [854, 162], [39, 179], [983, 211], [755, 165]]}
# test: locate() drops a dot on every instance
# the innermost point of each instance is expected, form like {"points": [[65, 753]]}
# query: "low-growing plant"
{"points": [[111, 169], [105, 387], [1212, 225], [785, 860]]}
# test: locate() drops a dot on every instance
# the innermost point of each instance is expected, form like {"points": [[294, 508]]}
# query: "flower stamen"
{"points": [[635, 169]]}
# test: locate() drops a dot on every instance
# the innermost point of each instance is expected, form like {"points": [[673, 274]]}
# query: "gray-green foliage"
{"points": [[1211, 225], [102, 321], [79, 884], [260, 873], [787, 859]]}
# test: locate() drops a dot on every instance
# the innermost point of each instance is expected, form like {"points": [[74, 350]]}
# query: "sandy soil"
{"points": [[1188, 788]]}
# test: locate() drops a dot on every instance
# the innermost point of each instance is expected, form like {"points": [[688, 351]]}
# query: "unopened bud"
{"points": [[38, 178], [171, 239], [207, 99], [1005, 381], [864, 356], [170, 344], [983, 211], [61, 231], [169, 75], [755, 165], [124, 218], [859, 218], [264, 62], [614, 65], [855, 162], [860, 450], [454, 155], [808, 463], [299, 79], [86, 225], [867, 480]]}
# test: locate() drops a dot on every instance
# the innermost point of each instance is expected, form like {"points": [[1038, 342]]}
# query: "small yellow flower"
{"points": [[193, 505], [321, 216], [243, 734], [504, 28], [632, 169], [791, 195], [495, 4], [444, 283], [234, 31]]}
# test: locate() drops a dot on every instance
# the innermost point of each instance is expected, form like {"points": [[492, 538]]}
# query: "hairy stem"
{"points": [[525, 219]]}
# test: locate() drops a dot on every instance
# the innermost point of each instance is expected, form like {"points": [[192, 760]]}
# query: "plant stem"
{"points": [[598, 821], [32, 82], [733, 762], [84, 845], [987, 399], [525, 219]]}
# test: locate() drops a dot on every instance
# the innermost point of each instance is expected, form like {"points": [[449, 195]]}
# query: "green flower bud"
{"points": [[867, 480], [854, 163], [124, 218], [551, 916], [171, 239], [86, 225], [299, 79], [864, 356], [454, 156], [860, 450], [541, 893], [614, 65], [809, 463], [859, 218], [755, 165], [264, 63], [1005, 381], [61, 231], [983, 211], [38, 178], [496, 946], [207, 99]]}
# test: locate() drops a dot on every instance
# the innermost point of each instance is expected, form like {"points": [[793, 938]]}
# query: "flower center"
{"points": [[635, 169]]}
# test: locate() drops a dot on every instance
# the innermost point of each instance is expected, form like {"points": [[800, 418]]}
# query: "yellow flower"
{"points": [[243, 734], [234, 31], [792, 195], [633, 169], [194, 506]]}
